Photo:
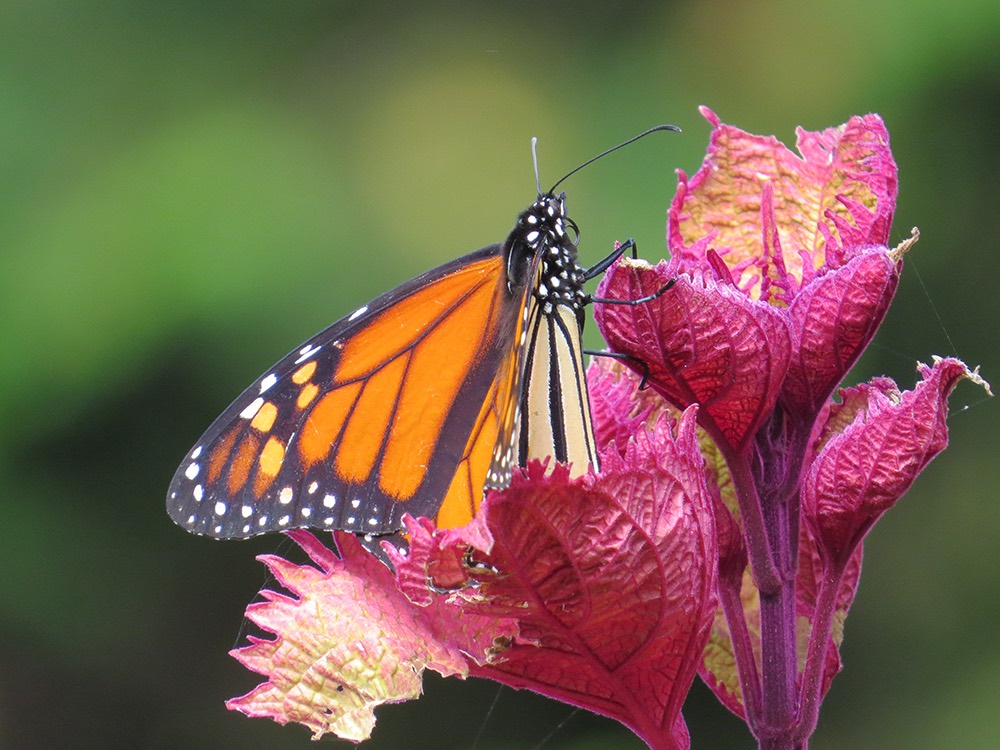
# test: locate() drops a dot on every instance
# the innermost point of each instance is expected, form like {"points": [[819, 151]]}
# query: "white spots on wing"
{"points": [[307, 351], [355, 504], [262, 521], [198, 492], [329, 501], [196, 452], [313, 487], [306, 512], [192, 471], [218, 529], [350, 521], [328, 521], [268, 382], [358, 313], [286, 495], [220, 508], [191, 519], [283, 521], [246, 528], [246, 511], [252, 408], [373, 522]]}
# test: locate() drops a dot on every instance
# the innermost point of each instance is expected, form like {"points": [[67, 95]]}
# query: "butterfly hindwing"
{"points": [[395, 408]]}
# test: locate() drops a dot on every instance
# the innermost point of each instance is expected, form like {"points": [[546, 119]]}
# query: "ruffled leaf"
{"points": [[618, 409], [347, 641]]}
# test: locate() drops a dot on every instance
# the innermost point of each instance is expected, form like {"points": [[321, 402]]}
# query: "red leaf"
{"points": [[611, 581], [702, 341]]}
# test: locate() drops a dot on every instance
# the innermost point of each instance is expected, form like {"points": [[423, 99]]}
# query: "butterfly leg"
{"points": [[601, 266], [639, 301], [605, 264], [624, 358]]}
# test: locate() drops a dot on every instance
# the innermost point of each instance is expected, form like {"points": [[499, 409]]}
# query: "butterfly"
{"points": [[417, 402]]}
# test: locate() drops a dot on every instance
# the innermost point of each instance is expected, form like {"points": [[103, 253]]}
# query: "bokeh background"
{"points": [[189, 189]]}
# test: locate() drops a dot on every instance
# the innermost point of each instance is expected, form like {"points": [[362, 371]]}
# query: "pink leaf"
{"points": [[833, 318], [839, 194], [616, 407]]}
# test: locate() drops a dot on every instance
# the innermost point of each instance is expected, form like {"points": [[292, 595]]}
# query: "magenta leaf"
{"points": [[702, 341], [864, 466], [833, 319]]}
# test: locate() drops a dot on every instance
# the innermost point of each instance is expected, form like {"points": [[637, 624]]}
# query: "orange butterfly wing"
{"points": [[408, 405]]}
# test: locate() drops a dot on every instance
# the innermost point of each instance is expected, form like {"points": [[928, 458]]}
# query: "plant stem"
{"points": [[763, 565], [812, 678], [770, 548], [739, 637]]}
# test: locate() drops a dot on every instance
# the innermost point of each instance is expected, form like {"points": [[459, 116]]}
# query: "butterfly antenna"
{"points": [[633, 139], [534, 158]]}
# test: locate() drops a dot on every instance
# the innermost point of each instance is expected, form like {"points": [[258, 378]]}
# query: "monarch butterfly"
{"points": [[415, 403]]}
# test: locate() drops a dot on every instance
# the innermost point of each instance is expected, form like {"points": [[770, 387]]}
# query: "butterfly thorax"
{"points": [[544, 230]]}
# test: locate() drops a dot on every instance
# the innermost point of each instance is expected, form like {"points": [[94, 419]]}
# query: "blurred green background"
{"points": [[189, 189]]}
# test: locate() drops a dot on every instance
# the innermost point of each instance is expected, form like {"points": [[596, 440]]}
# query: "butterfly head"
{"points": [[544, 222]]}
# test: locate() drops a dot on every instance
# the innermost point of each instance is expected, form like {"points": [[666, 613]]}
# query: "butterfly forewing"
{"points": [[371, 418]]}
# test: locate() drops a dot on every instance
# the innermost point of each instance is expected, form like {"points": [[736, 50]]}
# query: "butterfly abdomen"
{"points": [[554, 408]]}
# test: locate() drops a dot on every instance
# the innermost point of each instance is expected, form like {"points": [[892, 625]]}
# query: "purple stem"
{"points": [[769, 541], [812, 678], [763, 564], [739, 636]]}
